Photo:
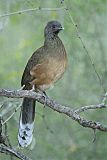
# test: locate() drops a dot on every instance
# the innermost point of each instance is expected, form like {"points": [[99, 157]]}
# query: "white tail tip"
{"points": [[25, 134]]}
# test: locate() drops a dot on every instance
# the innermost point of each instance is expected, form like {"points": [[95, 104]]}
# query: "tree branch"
{"points": [[74, 114]]}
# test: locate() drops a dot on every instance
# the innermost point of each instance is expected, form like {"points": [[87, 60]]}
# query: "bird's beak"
{"points": [[61, 28]]}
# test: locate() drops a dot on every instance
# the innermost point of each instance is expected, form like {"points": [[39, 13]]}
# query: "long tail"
{"points": [[26, 122]]}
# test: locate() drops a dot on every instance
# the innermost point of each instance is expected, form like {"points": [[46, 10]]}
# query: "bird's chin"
{"points": [[57, 31]]}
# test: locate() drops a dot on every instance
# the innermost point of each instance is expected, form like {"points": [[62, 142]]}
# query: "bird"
{"points": [[46, 66]]}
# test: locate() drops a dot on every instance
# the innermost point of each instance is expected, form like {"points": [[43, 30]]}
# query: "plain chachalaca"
{"points": [[44, 68]]}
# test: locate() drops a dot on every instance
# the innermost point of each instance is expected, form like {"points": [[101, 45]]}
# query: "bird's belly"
{"points": [[44, 87], [47, 73], [58, 71], [50, 79]]}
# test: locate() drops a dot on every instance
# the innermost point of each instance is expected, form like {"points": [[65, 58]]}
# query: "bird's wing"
{"points": [[35, 59]]}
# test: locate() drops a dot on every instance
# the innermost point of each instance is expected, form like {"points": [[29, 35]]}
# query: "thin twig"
{"points": [[11, 115], [85, 108], [7, 140], [2, 137], [94, 138], [45, 122], [104, 98], [31, 10], [84, 46]]}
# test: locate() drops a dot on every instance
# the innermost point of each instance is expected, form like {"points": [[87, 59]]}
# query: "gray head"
{"points": [[53, 28]]}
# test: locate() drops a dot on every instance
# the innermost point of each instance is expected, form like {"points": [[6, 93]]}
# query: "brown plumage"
{"points": [[44, 68]]}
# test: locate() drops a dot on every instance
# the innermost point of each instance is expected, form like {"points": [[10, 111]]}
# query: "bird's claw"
{"points": [[45, 97], [33, 88]]}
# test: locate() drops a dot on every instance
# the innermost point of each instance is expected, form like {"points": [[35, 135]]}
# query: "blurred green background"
{"points": [[57, 136]]}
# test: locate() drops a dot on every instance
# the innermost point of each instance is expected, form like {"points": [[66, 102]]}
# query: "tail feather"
{"points": [[26, 124]]}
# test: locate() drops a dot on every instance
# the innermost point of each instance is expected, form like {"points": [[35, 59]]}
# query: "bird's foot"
{"points": [[44, 95]]}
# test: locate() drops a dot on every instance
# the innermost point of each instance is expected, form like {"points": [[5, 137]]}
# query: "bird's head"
{"points": [[53, 27]]}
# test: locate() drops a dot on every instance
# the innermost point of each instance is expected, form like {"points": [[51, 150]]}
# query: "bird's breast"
{"points": [[50, 70]]}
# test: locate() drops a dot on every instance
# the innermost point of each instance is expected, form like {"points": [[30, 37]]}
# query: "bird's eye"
{"points": [[54, 26]]}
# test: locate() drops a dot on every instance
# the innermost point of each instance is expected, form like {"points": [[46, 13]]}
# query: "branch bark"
{"points": [[69, 111], [11, 151]]}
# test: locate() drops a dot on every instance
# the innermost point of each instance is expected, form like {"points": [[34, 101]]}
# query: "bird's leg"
{"points": [[44, 95], [22, 87], [33, 88]]}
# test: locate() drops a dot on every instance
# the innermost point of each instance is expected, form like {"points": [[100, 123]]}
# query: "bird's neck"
{"points": [[51, 40]]}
